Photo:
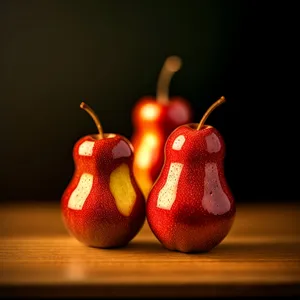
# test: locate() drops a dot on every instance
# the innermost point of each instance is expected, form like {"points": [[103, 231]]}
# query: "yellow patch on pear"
{"points": [[122, 189]]}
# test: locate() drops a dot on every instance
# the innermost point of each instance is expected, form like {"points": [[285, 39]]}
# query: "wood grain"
{"points": [[260, 256]]}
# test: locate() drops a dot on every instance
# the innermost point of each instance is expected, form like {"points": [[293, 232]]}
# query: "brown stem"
{"points": [[94, 116], [172, 64], [209, 111]]}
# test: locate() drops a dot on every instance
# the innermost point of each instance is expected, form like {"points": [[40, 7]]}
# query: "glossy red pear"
{"points": [[190, 207], [102, 205], [154, 119]]}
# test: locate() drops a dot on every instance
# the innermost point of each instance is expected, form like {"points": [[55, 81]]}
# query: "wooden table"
{"points": [[260, 256]]}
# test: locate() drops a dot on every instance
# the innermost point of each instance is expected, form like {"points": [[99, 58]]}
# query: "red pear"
{"points": [[103, 206], [190, 208], [154, 119]]}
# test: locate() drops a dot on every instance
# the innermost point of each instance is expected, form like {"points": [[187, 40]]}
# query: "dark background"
{"points": [[55, 54]]}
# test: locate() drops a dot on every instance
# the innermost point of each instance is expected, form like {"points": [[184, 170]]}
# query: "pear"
{"points": [[154, 118], [102, 205], [190, 208]]}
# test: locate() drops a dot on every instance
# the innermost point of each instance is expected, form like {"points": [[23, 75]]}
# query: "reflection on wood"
{"points": [[261, 251]]}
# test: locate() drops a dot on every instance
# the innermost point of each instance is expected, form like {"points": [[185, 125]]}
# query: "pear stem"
{"points": [[171, 65], [209, 111], [94, 117]]}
